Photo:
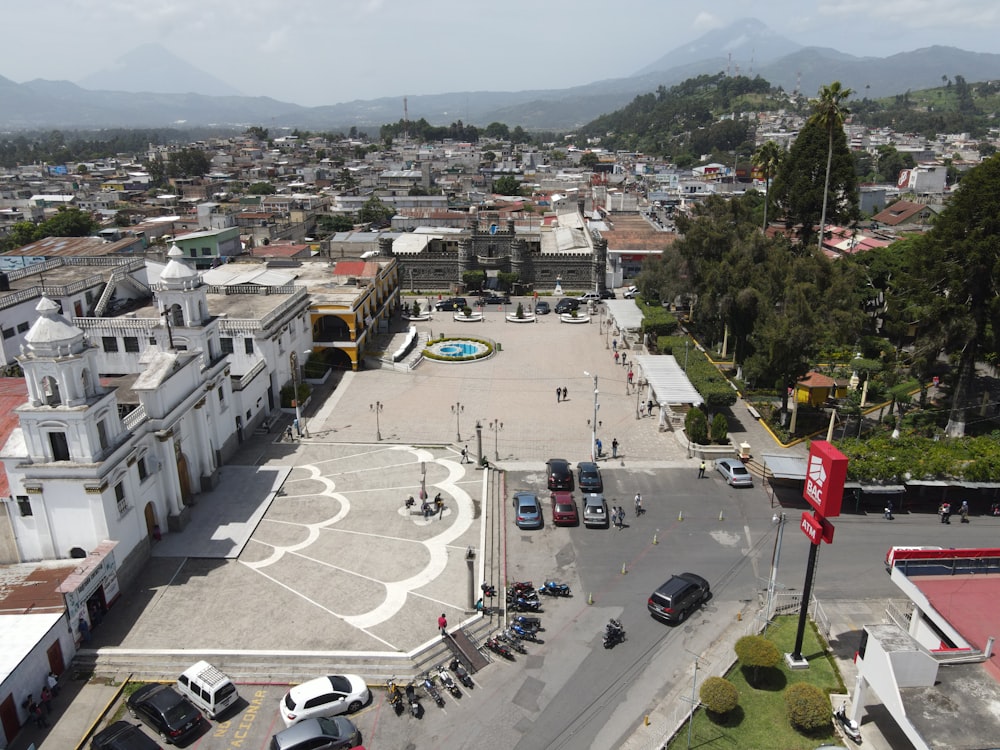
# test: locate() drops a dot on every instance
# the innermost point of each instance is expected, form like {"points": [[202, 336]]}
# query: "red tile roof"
{"points": [[817, 380]]}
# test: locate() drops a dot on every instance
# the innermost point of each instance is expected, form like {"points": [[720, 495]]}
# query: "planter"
{"points": [[471, 318], [566, 318], [417, 318], [319, 381], [512, 318]]}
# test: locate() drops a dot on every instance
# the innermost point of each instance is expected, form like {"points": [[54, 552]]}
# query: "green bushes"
{"points": [[657, 321], [754, 652], [696, 426], [720, 429], [719, 695], [808, 707], [288, 395]]}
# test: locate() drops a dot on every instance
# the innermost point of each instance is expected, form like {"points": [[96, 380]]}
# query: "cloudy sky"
{"points": [[326, 51]]}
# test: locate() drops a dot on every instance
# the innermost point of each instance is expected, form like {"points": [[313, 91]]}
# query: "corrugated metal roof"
{"points": [[625, 313], [783, 466]]}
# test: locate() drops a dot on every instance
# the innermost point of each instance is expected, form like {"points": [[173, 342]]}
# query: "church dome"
{"points": [[177, 271], [52, 335]]}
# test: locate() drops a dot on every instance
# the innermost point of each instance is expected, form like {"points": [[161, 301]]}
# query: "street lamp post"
{"points": [[457, 409], [496, 425], [377, 407], [593, 422]]}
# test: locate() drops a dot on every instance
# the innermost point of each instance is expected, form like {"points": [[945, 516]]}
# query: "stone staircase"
{"points": [[381, 357]]}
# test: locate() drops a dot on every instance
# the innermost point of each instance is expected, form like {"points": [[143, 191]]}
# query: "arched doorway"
{"points": [[152, 527], [331, 328], [184, 478]]}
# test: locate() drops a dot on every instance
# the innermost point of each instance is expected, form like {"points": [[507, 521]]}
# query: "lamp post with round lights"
{"points": [[377, 408]]}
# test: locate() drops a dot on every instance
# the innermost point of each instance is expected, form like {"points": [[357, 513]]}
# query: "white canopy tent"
{"points": [[668, 382]]}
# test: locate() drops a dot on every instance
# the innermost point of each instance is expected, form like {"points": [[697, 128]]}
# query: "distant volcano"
{"points": [[152, 68]]}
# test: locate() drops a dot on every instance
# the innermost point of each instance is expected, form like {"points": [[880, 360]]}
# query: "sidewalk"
{"points": [[80, 705]]}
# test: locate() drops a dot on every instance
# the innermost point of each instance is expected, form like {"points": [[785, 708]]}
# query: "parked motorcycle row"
{"points": [[408, 698]]}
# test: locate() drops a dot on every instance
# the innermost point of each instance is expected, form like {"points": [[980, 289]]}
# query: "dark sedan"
{"points": [[559, 475], [542, 307], [122, 736], [589, 477], [496, 299], [165, 711]]}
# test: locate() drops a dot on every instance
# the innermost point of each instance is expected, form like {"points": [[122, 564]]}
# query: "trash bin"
{"points": [[744, 451], [499, 347]]}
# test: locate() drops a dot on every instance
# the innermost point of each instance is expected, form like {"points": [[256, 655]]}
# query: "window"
{"points": [[22, 327], [205, 251], [120, 499], [59, 446], [227, 344], [193, 252], [132, 344], [110, 343], [143, 471], [8, 333], [248, 345], [24, 505], [222, 399], [152, 340], [102, 435]]}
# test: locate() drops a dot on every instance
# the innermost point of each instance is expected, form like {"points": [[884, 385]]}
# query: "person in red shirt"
{"points": [[443, 624]]}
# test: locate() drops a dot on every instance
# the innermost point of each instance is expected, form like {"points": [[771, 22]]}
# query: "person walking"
{"points": [[638, 505], [624, 357], [621, 518], [701, 470], [439, 505], [888, 510], [600, 447], [617, 357], [39, 716], [565, 392], [53, 683], [614, 344], [963, 511], [945, 512], [84, 629], [630, 376], [465, 455], [443, 624], [425, 508], [614, 448], [649, 407], [46, 699], [558, 394]]}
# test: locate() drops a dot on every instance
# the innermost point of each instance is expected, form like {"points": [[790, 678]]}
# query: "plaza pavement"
{"points": [[323, 563]]}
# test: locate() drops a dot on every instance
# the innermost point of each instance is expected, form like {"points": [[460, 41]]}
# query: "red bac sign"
{"points": [[825, 474]]}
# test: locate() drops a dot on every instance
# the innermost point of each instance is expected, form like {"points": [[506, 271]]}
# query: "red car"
{"points": [[564, 509]]}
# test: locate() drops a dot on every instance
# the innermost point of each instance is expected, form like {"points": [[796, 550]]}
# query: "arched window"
{"points": [[176, 315], [50, 391], [85, 381]]}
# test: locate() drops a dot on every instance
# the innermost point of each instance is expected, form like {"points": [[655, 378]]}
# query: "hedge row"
{"points": [[704, 376]]}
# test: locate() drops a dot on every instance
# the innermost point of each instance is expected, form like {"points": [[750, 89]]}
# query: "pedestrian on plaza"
{"points": [[39, 716], [649, 407], [53, 683], [298, 429], [630, 376], [701, 469], [600, 447], [46, 699], [565, 392], [617, 357], [465, 455], [443, 624], [439, 505], [288, 433], [614, 448], [614, 344], [945, 512], [638, 505], [964, 511], [425, 508], [621, 518], [410, 502], [558, 394], [624, 356]]}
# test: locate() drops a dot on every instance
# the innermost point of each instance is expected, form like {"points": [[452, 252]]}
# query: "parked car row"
{"points": [[310, 711]]}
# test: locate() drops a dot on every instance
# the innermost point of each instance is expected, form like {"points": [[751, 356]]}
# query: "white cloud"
{"points": [[917, 14], [705, 21]]}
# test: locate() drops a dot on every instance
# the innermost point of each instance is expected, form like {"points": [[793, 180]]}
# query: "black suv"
{"points": [[678, 597], [558, 474], [454, 303], [165, 711], [567, 304]]}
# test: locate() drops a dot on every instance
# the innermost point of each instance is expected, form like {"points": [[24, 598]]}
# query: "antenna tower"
{"points": [[798, 81], [729, 66], [406, 120]]}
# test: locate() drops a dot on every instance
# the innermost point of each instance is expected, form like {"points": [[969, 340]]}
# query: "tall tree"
{"points": [[829, 112], [767, 158], [959, 259]]}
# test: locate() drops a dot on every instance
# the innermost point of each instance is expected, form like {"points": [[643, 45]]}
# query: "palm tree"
{"points": [[767, 157], [829, 112]]}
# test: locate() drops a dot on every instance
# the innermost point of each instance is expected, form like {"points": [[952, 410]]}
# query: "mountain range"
{"points": [[150, 87]]}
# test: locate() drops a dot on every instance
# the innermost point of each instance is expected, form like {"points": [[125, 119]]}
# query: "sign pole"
{"points": [[795, 658]]}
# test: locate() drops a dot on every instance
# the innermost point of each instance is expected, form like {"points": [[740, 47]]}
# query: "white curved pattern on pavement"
{"points": [[396, 592]]}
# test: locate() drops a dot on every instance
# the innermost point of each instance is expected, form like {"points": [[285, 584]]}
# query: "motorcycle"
{"points": [[614, 634], [513, 641], [461, 672], [526, 605], [432, 690], [449, 684], [497, 647], [413, 700], [488, 590], [395, 696], [522, 632], [521, 586], [527, 621], [849, 727], [552, 588]]}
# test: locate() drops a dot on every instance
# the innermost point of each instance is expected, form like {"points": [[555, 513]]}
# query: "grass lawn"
{"points": [[760, 721]]}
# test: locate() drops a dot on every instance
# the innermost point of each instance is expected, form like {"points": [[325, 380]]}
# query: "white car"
{"points": [[590, 297], [631, 292], [324, 696]]}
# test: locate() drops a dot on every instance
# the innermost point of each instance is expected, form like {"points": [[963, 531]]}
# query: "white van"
{"points": [[208, 688]]}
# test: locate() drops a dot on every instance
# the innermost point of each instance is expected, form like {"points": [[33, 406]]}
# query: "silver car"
{"points": [[734, 472], [595, 510]]}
